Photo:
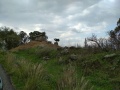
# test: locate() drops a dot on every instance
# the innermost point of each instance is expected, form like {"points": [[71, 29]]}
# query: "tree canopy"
{"points": [[36, 35], [115, 36], [9, 37]]}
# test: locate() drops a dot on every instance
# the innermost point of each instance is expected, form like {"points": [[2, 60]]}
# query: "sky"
{"points": [[69, 20]]}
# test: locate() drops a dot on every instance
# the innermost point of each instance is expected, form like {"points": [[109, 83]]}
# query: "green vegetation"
{"points": [[92, 67], [8, 38], [30, 71]]}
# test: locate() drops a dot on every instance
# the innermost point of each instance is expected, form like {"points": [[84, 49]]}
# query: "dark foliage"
{"points": [[9, 38], [34, 35], [115, 36]]}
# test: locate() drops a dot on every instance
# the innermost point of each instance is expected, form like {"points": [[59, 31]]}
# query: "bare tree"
{"points": [[102, 43], [93, 38]]}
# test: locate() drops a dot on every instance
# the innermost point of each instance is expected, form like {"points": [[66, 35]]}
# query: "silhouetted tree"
{"points": [[85, 43], [56, 41], [114, 36]]}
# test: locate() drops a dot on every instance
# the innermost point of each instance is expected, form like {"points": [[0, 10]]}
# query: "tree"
{"points": [[56, 41], [114, 36], [93, 38], [9, 37], [40, 36], [24, 37], [85, 43], [12, 41], [43, 37], [34, 35], [118, 23], [101, 43], [22, 34]]}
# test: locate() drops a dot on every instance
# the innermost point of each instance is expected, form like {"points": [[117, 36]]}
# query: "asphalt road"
{"points": [[7, 85]]}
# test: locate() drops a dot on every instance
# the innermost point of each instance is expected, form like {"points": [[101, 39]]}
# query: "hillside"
{"points": [[33, 44], [40, 66]]}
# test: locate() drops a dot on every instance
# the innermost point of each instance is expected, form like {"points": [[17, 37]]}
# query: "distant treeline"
{"points": [[10, 39]]}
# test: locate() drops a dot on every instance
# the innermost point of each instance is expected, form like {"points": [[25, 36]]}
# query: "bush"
{"points": [[46, 51]]}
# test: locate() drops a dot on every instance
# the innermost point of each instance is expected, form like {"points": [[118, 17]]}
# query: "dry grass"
{"points": [[69, 81], [34, 44], [10, 63], [31, 74]]}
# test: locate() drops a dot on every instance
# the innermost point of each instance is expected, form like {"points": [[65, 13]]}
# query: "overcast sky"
{"points": [[69, 20]]}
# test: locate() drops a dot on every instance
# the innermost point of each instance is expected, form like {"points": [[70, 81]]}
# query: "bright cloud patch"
{"points": [[66, 34], [1, 24]]}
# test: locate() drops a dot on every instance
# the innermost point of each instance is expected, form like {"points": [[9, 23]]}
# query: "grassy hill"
{"points": [[43, 66]]}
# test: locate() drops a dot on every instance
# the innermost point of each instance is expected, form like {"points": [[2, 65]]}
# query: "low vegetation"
{"points": [[90, 71]]}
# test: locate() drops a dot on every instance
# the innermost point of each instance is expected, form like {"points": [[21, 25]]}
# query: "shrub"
{"points": [[45, 51]]}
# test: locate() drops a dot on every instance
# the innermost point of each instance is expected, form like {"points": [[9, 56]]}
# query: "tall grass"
{"points": [[31, 75], [9, 63], [70, 81], [46, 51]]}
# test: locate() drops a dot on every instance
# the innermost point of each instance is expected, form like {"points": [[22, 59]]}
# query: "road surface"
{"points": [[7, 85]]}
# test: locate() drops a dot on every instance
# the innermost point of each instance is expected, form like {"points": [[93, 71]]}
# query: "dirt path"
{"points": [[7, 85]]}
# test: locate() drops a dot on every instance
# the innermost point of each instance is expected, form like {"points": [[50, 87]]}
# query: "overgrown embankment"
{"points": [[47, 68]]}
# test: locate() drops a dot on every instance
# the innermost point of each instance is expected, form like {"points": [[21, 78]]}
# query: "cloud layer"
{"points": [[69, 20]]}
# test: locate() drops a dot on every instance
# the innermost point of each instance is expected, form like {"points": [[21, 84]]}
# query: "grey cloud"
{"points": [[35, 11], [27, 13], [76, 31], [100, 12]]}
